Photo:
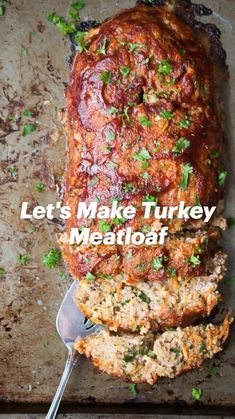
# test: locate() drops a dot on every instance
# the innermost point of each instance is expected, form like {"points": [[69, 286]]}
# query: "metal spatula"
{"points": [[70, 324]]}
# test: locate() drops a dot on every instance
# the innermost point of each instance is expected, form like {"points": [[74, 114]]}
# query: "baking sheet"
{"points": [[32, 70]]}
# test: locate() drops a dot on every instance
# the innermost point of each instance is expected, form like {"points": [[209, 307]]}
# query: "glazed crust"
{"points": [[123, 130]]}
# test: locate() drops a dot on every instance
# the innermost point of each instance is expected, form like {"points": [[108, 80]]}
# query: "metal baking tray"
{"points": [[33, 71]]}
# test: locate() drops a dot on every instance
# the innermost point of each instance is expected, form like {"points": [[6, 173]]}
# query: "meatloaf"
{"points": [[145, 358], [143, 124]]}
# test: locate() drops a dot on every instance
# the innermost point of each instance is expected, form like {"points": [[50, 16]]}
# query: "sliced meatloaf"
{"points": [[145, 358], [151, 305]]}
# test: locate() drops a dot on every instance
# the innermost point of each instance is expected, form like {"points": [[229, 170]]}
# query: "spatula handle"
{"points": [[70, 363]]}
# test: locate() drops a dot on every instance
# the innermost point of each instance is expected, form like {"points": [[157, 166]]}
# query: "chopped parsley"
{"points": [[40, 186], [79, 39], [187, 170], [150, 198], [102, 49], [214, 371], [181, 145], [13, 172], [90, 277], [52, 259], [132, 46], [106, 77], [111, 136], [129, 188], [185, 123], [27, 113], [113, 110], [143, 155], [231, 221], [144, 297], [112, 165], [2, 10], [105, 227], [197, 393], [79, 5], [28, 129], [165, 68], [157, 263], [125, 71], [145, 176], [215, 154], [94, 181], [166, 114], [222, 175], [145, 121], [198, 201], [194, 260], [2, 272], [65, 27], [23, 259], [133, 389]]}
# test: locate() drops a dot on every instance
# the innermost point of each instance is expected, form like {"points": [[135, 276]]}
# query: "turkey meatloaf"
{"points": [[143, 124], [145, 358]]}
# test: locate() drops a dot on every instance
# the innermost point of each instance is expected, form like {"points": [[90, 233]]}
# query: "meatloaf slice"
{"points": [[151, 305], [145, 358]]}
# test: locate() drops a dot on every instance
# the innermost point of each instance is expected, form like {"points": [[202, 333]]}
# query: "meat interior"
{"points": [[143, 124]]}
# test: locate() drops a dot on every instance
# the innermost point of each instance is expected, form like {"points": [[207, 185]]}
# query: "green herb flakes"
{"points": [[166, 114], [133, 389], [106, 77], [157, 263], [144, 297], [187, 171], [90, 277], [125, 71], [222, 175], [79, 5], [185, 123], [105, 227], [165, 68], [197, 393], [231, 221], [94, 181], [145, 121], [194, 260], [65, 27], [214, 371], [181, 145], [143, 155], [13, 172], [52, 259], [40, 186], [2, 10], [2, 272], [113, 110], [29, 129], [23, 259], [102, 49], [79, 39]]}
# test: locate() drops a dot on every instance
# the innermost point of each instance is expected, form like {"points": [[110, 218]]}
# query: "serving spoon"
{"points": [[70, 324]]}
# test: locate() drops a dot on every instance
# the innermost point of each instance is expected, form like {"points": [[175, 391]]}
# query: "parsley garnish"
{"points": [[102, 49], [166, 114], [143, 155], [165, 68], [94, 181], [106, 77], [134, 390], [181, 145], [145, 176], [196, 393], [13, 172], [79, 5], [105, 227], [52, 258], [28, 129], [185, 123], [187, 170], [157, 263], [111, 136], [2, 272], [60, 22], [90, 277], [23, 259], [214, 371], [79, 39], [125, 71], [40, 187], [145, 121], [132, 46], [194, 260], [144, 297], [2, 10], [113, 110], [231, 221], [150, 198], [27, 113], [222, 175]]}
